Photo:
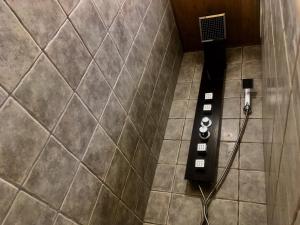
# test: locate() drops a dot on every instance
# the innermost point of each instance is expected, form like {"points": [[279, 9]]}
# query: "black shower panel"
{"points": [[203, 155]]}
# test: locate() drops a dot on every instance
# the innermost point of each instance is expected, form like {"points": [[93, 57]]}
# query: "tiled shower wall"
{"points": [[85, 92], [281, 109]]}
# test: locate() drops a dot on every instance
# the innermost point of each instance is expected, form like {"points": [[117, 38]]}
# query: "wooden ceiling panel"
{"points": [[242, 18]]}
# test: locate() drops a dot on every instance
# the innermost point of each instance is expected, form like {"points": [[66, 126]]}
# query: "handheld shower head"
{"points": [[247, 86]]}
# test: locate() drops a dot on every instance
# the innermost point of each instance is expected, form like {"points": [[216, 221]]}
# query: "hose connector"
{"points": [[247, 86]]}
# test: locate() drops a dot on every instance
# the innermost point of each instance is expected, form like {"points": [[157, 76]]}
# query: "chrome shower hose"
{"points": [[207, 200]]}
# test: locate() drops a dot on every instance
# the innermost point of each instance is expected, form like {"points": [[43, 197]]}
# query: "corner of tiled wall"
{"points": [[86, 87], [281, 109]]}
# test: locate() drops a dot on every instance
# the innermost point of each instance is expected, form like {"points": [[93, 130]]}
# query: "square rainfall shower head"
{"points": [[212, 27]]}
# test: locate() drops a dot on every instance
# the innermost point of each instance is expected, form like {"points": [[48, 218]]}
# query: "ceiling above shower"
{"points": [[242, 19]]}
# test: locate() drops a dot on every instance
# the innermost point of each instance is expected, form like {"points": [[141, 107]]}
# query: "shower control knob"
{"points": [[204, 133], [206, 122]]}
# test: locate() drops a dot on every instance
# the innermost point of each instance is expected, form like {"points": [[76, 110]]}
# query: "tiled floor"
{"points": [[242, 199]]}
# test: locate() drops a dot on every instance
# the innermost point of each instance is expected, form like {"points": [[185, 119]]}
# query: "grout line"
{"points": [[94, 207]]}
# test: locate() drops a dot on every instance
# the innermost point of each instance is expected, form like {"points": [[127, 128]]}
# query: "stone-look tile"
{"points": [[181, 185], [198, 72], [182, 91], [150, 170], [138, 112], [68, 5], [163, 121], [195, 90], [251, 70], [233, 71], [157, 103], [252, 186], [124, 216], [142, 6], [257, 88], [191, 110], [18, 147], [256, 107], [223, 212], [189, 57], [61, 220], [128, 140], [7, 198], [142, 44], [3, 95], [69, 54], [48, 18], [89, 25], [149, 77], [117, 174], [105, 209], [143, 201], [136, 61], [174, 129], [82, 196], [186, 73], [183, 152], [178, 109], [234, 55], [44, 92], [113, 118], [131, 190], [230, 187], [121, 35], [229, 129], [184, 210], [169, 152], [251, 53], [188, 128], [76, 127], [108, 10], [125, 89], [251, 156], [100, 153], [297, 221], [27, 210], [94, 90], [288, 181], [231, 108], [225, 151], [18, 50], [163, 178], [232, 88], [157, 143], [52, 174], [158, 206], [109, 60], [149, 131], [250, 213], [131, 16], [140, 159], [253, 132]]}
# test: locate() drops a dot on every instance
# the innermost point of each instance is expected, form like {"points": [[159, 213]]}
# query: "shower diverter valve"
{"points": [[206, 122], [204, 133]]}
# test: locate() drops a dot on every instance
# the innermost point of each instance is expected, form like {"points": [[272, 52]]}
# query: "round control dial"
{"points": [[206, 122], [204, 133]]}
